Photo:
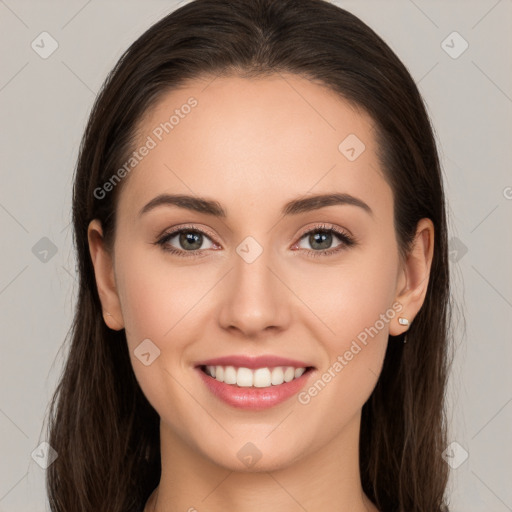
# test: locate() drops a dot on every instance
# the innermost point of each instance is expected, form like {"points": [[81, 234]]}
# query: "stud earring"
{"points": [[403, 321]]}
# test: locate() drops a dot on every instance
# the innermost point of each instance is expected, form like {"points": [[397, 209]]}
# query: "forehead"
{"points": [[242, 140]]}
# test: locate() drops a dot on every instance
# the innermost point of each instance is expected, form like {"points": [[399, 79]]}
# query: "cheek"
{"points": [[349, 296], [157, 302], [157, 296], [352, 306]]}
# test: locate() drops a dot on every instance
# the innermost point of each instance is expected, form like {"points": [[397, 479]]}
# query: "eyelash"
{"points": [[346, 241]]}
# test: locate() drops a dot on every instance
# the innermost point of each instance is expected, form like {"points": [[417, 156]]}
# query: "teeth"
{"points": [[230, 375], [277, 376], [289, 374], [259, 378], [244, 377]]}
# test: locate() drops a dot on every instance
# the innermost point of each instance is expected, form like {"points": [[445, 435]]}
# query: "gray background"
{"points": [[44, 105]]}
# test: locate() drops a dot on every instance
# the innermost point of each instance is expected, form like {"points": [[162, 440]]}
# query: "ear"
{"points": [[104, 274], [414, 277]]}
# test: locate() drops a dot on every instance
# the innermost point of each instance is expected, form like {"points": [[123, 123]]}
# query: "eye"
{"points": [[188, 240], [321, 239]]}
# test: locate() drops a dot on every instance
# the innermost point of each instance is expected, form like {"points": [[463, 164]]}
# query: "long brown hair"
{"points": [[105, 431]]}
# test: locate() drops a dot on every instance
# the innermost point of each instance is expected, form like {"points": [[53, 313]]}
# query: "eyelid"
{"points": [[346, 238], [305, 231], [186, 227], [328, 227]]}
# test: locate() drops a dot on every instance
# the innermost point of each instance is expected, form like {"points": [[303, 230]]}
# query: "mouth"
{"points": [[254, 388], [264, 377]]}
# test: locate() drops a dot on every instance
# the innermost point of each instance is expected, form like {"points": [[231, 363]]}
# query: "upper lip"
{"points": [[243, 361]]}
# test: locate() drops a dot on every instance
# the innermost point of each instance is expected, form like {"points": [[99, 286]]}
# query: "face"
{"points": [[314, 282]]}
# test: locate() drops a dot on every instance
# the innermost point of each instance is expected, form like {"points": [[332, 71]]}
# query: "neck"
{"points": [[327, 479]]}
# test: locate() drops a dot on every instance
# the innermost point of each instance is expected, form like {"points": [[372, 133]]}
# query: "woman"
{"points": [[260, 228]]}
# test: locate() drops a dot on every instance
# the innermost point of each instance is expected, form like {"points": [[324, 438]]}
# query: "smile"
{"points": [[256, 388], [258, 378]]}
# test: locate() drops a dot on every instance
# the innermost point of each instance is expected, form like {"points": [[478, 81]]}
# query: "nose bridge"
{"points": [[255, 298]]}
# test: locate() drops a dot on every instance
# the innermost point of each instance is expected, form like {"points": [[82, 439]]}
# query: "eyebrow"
{"points": [[294, 207]]}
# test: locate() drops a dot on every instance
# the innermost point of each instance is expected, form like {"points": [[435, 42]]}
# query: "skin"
{"points": [[274, 138]]}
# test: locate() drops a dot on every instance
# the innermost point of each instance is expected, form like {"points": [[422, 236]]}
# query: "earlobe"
{"points": [[104, 275], [112, 322], [414, 277]]}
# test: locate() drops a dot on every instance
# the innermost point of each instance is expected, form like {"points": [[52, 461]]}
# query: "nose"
{"points": [[255, 299]]}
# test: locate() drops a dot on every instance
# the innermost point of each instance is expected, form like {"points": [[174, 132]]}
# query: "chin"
{"points": [[255, 457]]}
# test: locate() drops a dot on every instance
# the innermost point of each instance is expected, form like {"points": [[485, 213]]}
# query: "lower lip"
{"points": [[254, 398]]}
